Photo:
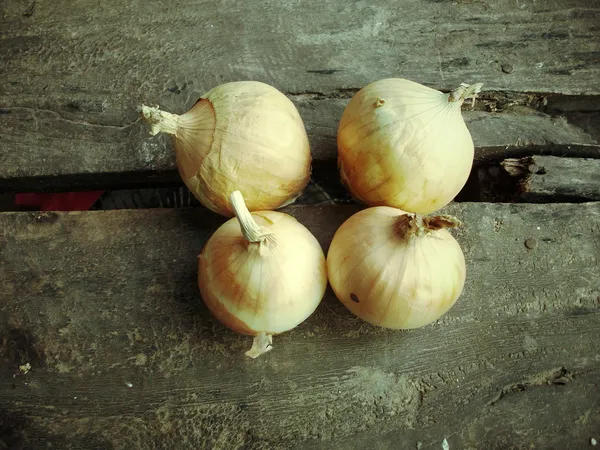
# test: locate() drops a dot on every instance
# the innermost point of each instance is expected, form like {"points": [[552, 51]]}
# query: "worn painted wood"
{"points": [[549, 178], [74, 73], [104, 307]]}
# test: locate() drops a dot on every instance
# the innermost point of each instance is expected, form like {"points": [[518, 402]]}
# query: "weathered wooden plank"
{"points": [[41, 148], [549, 178], [530, 417], [104, 306], [72, 84], [301, 47]]}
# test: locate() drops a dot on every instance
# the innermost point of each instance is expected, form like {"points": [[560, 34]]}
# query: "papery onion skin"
{"points": [[268, 287], [393, 278], [405, 145], [243, 135]]}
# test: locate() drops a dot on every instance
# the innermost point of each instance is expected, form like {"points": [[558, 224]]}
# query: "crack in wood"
{"points": [[555, 377], [490, 101], [540, 178], [342, 93], [34, 111]]}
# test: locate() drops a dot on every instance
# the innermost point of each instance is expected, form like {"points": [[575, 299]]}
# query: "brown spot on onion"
{"points": [[406, 279], [219, 310]]}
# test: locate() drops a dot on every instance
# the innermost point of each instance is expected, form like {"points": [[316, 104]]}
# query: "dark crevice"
{"points": [[344, 93], [556, 377], [489, 181], [489, 100]]}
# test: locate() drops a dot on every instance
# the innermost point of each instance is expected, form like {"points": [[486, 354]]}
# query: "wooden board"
{"points": [[41, 149], [552, 179], [104, 307], [311, 46], [73, 78]]}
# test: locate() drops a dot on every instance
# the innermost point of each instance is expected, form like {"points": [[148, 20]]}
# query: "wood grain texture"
{"points": [[40, 149], [553, 179], [300, 47], [74, 74], [104, 307]]}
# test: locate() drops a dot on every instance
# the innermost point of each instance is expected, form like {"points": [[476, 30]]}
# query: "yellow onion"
{"points": [[405, 145], [242, 135], [261, 274], [396, 269]]}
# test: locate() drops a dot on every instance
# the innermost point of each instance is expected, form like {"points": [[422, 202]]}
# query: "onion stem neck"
{"points": [[250, 229], [261, 344], [409, 225], [160, 121], [465, 91]]}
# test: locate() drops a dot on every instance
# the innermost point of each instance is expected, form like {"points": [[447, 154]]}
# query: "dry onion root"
{"points": [[396, 269], [242, 135], [261, 274], [405, 145]]}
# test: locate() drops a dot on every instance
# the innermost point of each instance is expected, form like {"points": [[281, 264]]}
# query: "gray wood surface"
{"points": [[105, 309], [59, 152], [74, 73], [553, 179], [309, 46]]}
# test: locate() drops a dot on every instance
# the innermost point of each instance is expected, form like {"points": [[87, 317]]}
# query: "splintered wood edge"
{"points": [[555, 179]]}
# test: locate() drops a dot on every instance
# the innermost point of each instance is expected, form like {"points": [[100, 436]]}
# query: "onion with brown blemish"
{"points": [[261, 274], [396, 269]]}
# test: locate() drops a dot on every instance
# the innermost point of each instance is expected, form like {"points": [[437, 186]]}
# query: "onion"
{"points": [[261, 274], [405, 145], [242, 135], [396, 269]]}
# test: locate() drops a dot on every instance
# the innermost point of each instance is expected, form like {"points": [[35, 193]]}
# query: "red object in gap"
{"points": [[65, 201]]}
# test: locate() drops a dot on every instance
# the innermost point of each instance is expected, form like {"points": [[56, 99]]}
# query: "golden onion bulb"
{"points": [[405, 145], [261, 274], [396, 269], [243, 135]]}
